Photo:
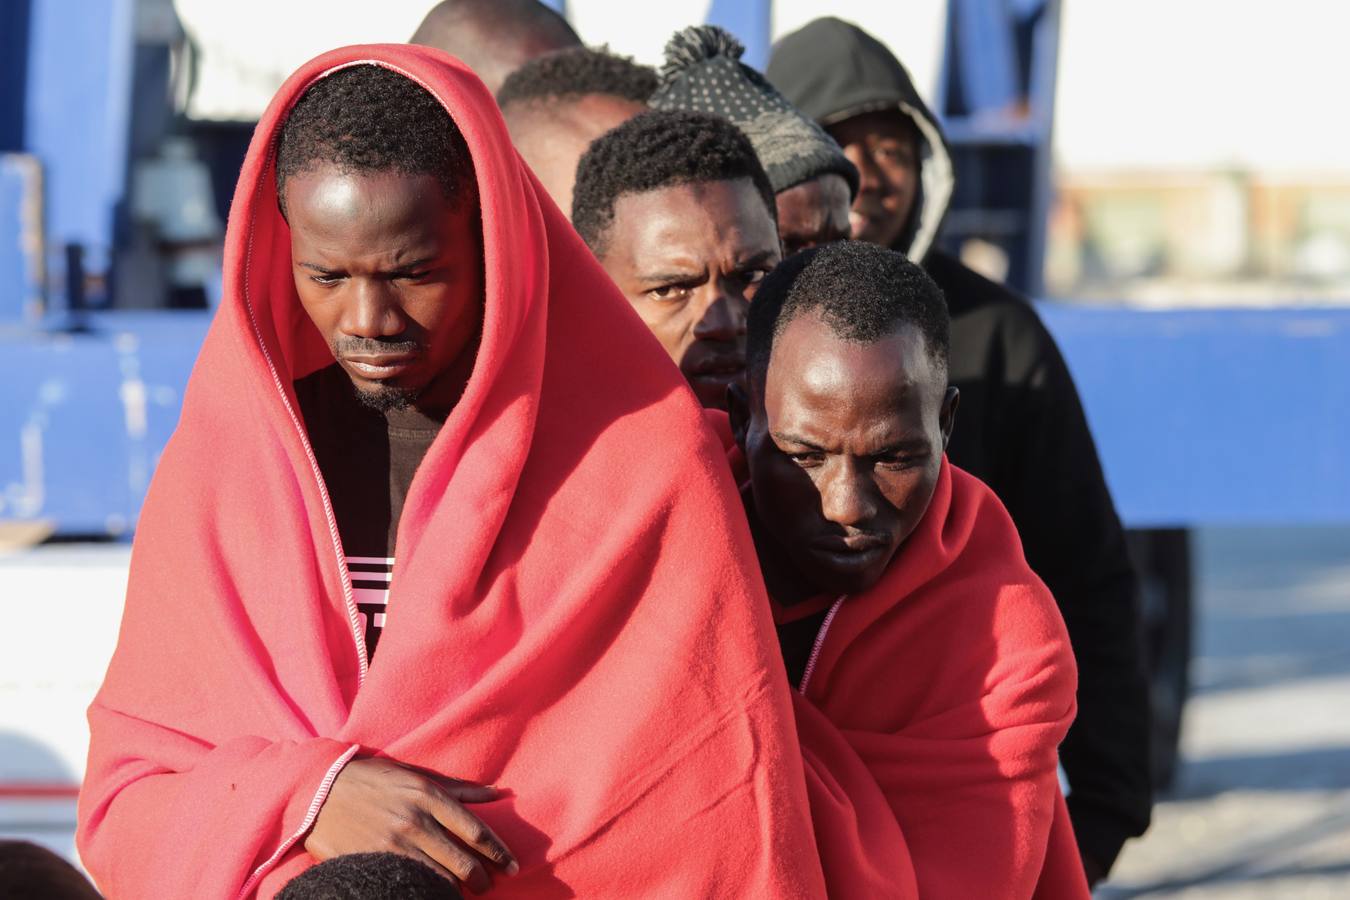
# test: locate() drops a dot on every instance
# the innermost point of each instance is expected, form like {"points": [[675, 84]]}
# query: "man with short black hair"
{"points": [[30, 871], [556, 105], [414, 189], [679, 211], [411, 529], [906, 612], [1022, 431], [494, 37]]}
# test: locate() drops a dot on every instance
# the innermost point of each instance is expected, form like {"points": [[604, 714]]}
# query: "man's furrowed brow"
{"points": [[785, 437], [413, 265], [910, 445], [669, 277]]}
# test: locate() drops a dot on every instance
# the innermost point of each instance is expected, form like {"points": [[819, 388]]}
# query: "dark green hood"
{"points": [[833, 70]]}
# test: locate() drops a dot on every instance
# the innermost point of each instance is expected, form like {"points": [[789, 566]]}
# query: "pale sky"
{"points": [[1143, 85]]}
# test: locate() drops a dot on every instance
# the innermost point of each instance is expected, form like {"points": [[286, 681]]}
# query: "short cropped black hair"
{"points": [[660, 149], [578, 72], [30, 871], [863, 292], [366, 118], [369, 876]]}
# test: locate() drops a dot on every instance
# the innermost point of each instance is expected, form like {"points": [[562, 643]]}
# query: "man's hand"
{"points": [[377, 805]]}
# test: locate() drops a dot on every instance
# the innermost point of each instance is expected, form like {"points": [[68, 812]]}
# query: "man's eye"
{"points": [[805, 460], [411, 276], [895, 155], [326, 280], [669, 292], [751, 281], [898, 462]]}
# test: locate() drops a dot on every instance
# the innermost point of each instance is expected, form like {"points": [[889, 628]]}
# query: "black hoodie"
{"points": [[1021, 430]]}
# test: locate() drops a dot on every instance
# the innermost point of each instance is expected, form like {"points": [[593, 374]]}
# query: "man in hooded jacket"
{"points": [[1022, 427]]}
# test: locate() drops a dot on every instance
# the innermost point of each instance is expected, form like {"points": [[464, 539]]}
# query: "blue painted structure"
{"points": [[77, 120], [13, 72], [996, 97], [87, 413], [1216, 417], [21, 263], [751, 22]]}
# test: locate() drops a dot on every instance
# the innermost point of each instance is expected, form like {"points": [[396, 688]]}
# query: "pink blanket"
{"points": [[575, 613]]}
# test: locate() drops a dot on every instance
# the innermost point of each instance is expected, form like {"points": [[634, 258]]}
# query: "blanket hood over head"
{"points": [[833, 70], [576, 614]]}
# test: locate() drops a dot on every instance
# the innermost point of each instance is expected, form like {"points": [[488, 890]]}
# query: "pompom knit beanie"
{"points": [[703, 73]]}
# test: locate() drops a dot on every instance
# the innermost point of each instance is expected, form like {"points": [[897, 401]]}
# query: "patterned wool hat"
{"points": [[703, 73]]}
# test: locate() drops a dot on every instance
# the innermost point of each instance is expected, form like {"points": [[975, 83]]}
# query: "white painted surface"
{"points": [[639, 30], [1202, 84], [1149, 84], [249, 47], [62, 605], [243, 64]]}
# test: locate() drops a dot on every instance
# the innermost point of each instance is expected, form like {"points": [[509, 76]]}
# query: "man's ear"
{"points": [[738, 409], [947, 415]]}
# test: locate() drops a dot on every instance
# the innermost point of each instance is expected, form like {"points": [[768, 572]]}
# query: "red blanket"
{"points": [[940, 696], [953, 681], [575, 615]]}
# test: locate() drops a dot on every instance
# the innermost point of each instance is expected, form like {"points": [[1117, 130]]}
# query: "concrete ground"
{"points": [[1261, 806]]}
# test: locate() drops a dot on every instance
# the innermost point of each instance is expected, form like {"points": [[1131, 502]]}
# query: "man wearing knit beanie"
{"points": [[813, 182]]}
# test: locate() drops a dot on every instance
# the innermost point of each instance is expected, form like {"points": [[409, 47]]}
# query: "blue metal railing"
{"points": [[1226, 416]]}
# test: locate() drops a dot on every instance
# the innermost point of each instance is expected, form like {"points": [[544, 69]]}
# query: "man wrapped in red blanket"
{"points": [[934, 671], [425, 420]]}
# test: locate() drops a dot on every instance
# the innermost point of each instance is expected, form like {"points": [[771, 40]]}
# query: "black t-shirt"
{"points": [[797, 639], [368, 459]]}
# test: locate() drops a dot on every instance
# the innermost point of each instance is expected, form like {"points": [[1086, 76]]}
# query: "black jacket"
{"points": [[1019, 428]]}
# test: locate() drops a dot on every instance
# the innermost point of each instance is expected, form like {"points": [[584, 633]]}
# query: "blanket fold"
{"points": [[953, 681]]}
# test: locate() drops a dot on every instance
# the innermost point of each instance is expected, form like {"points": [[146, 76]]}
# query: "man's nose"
{"points": [[846, 494], [723, 317], [373, 310]]}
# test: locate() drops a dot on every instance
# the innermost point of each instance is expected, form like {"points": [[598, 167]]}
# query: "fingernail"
{"points": [[512, 867]]}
